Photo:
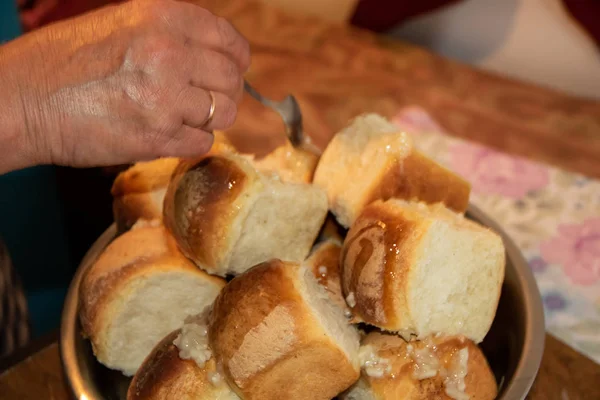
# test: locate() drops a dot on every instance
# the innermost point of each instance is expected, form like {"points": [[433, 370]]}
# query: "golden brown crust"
{"points": [[130, 208], [382, 252], [113, 267], [400, 382], [481, 383], [267, 282], [160, 370], [164, 375], [383, 243], [144, 177], [264, 334], [138, 192], [290, 163], [198, 208], [417, 177], [128, 257], [94, 294], [147, 176]]}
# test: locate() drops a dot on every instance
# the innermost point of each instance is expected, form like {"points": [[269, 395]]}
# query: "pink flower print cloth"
{"points": [[577, 249], [490, 171]]}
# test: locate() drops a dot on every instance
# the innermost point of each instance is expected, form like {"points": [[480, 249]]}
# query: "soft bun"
{"points": [[164, 375], [444, 368], [279, 336], [371, 159], [226, 216], [420, 269], [138, 192], [140, 289]]}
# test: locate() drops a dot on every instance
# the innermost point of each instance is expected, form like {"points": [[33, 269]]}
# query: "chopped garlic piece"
{"points": [[427, 364], [455, 375], [215, 378], [373, 365], [351, 300], [192, 341]]}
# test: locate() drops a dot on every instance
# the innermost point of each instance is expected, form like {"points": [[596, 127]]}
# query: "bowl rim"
{"points": [[517, 388], [535, 327]]}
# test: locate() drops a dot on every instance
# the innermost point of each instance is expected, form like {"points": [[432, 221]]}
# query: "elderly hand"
{"points": [[121, 84]]}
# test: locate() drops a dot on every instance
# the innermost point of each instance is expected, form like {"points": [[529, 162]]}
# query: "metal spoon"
{"points": [[289, 110]]}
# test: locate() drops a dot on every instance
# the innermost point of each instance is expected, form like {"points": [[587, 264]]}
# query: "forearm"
{"points": [[17, 147]]}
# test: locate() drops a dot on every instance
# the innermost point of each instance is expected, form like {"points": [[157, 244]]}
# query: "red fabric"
{"points": [[587, 12], [376, 15], [381, 15], [38, 13]]}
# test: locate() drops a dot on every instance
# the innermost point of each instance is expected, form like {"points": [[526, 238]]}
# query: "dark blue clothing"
{"points": [[9, 20]]}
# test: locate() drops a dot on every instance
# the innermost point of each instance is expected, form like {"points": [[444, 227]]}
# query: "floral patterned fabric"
{"points": [[552, 215]]}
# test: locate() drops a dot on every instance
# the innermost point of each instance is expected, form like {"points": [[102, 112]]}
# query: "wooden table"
{"points": [[336, 73]]}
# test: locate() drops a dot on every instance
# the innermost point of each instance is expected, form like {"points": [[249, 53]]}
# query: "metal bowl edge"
{"points": [[517, 388]]}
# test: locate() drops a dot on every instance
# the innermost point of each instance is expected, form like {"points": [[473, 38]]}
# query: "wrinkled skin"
{"points": [[124, 83]]}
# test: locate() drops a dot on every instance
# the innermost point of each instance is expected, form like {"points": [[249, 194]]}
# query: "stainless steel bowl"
{"points": [[513, 347]]}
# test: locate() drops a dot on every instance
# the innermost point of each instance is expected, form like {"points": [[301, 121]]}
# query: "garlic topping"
{"points": [[373, 365], [455, 375], [192, 341], [426, 364], [215, 378], [351, 300]]}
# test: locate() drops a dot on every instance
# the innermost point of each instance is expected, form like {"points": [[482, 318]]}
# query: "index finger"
{"points": [[202, 27]]}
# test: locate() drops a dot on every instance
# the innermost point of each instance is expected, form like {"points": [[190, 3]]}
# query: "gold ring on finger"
{"points": [[211, 110]]}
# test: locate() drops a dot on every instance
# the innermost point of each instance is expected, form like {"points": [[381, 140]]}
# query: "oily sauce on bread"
{"points": [[418, 177], [378, 243], [194, 204]]}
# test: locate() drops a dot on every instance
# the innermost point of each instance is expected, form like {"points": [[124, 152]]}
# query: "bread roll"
{"points": [[443, 368], [419, 270], [279, 336], [226, 216], [140, 289], [324, 262], [371, 160], [164, 375], [139, 192]]}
